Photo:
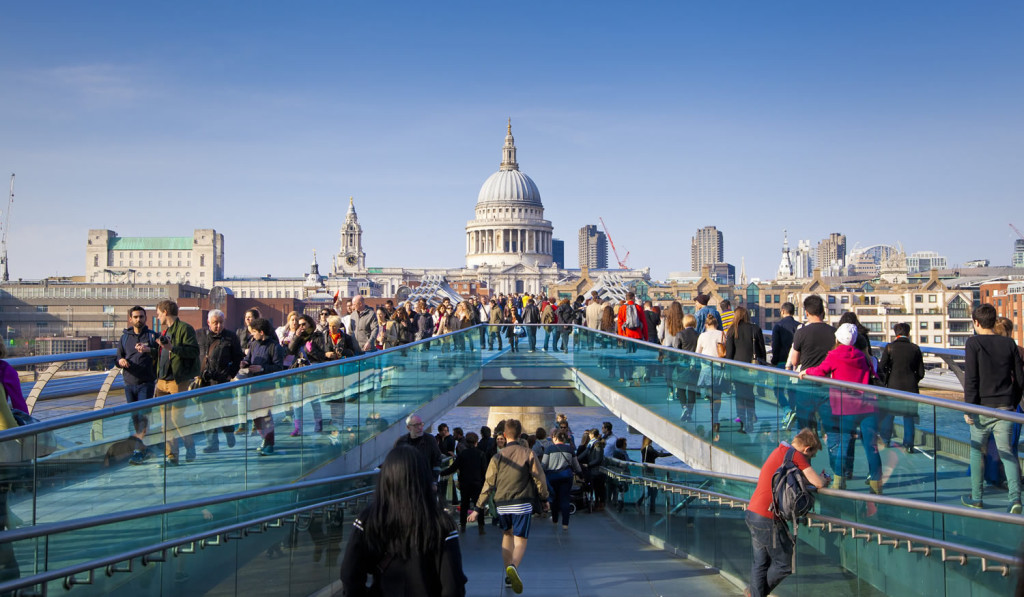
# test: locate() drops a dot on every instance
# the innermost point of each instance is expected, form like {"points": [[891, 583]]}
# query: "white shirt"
{"points": [[707, 342]]}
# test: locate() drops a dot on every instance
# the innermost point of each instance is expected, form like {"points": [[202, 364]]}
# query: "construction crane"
{"points": [[1019, 233], [6, 225], [622, 262]]}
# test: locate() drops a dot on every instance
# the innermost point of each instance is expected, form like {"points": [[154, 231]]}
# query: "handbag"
{"points": [[721, 349], [519, 331]]}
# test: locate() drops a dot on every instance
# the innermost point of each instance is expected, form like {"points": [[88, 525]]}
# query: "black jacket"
{"points": [[437, 573], [531, 314], [427, 446], [471, 465], [782, 339], [220, 356], [744, 342], [141, 366], [308, 349], [902, 365], [993, 372], [653, 321]]}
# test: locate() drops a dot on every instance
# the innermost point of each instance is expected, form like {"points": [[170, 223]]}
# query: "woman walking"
{"points": [[403, 540], [744, 343]]}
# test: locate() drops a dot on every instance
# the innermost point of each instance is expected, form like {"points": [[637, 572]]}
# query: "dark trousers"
{"points": [[470, 494], [560, 488], [531, 336], [773, 554]]}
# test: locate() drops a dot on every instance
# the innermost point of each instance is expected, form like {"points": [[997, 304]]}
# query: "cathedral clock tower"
{"points": [[350, 258]]}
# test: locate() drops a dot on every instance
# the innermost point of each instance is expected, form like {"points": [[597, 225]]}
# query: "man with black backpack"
{"points": [[767, 515]]}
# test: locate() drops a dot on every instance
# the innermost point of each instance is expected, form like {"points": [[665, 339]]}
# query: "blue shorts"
{"points": [[519, 524]]}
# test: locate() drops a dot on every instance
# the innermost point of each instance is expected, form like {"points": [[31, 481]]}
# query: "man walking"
{"points": [[811, 343], [514, 475], [364, 324], [178, 365], [782, 341], [531, 315], [425, 443], [220, 356], [993, 377], [135, 353]]}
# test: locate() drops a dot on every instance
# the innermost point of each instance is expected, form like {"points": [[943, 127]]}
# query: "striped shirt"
{"points": [[727, 317], [516, 509]]}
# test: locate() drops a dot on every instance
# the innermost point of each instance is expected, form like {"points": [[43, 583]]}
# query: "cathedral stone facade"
{"points": [[508, 247]]}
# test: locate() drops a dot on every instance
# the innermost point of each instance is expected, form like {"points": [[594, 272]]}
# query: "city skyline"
{"points": [[888, 123]]}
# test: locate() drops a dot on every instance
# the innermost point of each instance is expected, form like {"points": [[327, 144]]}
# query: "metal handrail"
{"points": [[968, 551], [221, 532], [53, 424], [824, 381], [59, 358], [52, 528], [87, 417], [1001, 517]]}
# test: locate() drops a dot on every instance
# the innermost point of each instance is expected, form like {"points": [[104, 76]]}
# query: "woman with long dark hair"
{"points": [[403, 540], [744, 342]]}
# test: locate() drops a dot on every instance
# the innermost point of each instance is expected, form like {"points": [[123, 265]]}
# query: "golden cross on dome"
{"points": [[510, 125]]}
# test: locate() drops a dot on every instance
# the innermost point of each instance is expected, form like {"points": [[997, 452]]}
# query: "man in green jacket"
{"points": [[515, 477], [178, 365]]}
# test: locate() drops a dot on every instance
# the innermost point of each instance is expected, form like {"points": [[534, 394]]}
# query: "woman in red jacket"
{"points": [[851, 409]]}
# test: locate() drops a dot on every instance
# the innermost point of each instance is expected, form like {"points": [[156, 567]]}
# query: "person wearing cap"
{"points": [[705, 310], [851, 409]]}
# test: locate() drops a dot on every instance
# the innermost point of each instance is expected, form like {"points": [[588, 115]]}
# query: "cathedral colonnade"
{"points": [[508, 240]]}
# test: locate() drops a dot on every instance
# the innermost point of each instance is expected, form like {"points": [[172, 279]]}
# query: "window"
{"points": [[108, 308], [777, 299], [932, 298], [41, 308], [918, 298], [831, 300], [108, 324], [844, 300], [936, 325], [924, 325], [924, 339], [937, 339], [95, 260]]}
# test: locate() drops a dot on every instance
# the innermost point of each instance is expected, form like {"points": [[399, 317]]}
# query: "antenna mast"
{"points": [[6, 223]]}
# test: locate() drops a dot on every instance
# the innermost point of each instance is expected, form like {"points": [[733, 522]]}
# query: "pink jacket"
{"points": [[846, 363]]}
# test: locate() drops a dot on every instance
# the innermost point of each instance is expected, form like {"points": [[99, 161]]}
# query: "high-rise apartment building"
{"points": [[1018, 253], [706, 248], [831, 257], [593, 248], [558, 252]]}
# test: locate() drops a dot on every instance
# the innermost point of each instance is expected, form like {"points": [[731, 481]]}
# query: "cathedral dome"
{"points": [[509, 185]]}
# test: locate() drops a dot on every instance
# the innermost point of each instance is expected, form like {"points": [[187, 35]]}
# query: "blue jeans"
{"points": [[773, 554], [531, 336], [136, 392], [812, 409], [494, 337], [885, 429], [982, 428], [840, 444], [560, 489]]}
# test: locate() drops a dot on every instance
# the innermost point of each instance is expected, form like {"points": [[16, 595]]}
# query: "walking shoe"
{"points": [[231, 440], [1014, 508], [169, 462], [138, 457], [788, 419], [971, 502], [190, 454], [513, 577], [211, 449], [266, 451], [508, 582]]}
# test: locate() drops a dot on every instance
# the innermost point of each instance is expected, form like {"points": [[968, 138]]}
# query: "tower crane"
{"points": [[6, 225], [1019, 233], [622, 262]]}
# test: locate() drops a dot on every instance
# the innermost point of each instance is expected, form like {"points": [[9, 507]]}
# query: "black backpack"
{"points": [[792, 495]]}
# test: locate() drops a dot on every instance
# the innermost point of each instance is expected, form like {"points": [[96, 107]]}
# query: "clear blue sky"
{"points": [[887, 121]]}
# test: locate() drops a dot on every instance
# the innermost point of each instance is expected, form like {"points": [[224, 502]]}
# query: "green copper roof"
{"points": [[151, 243]]}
